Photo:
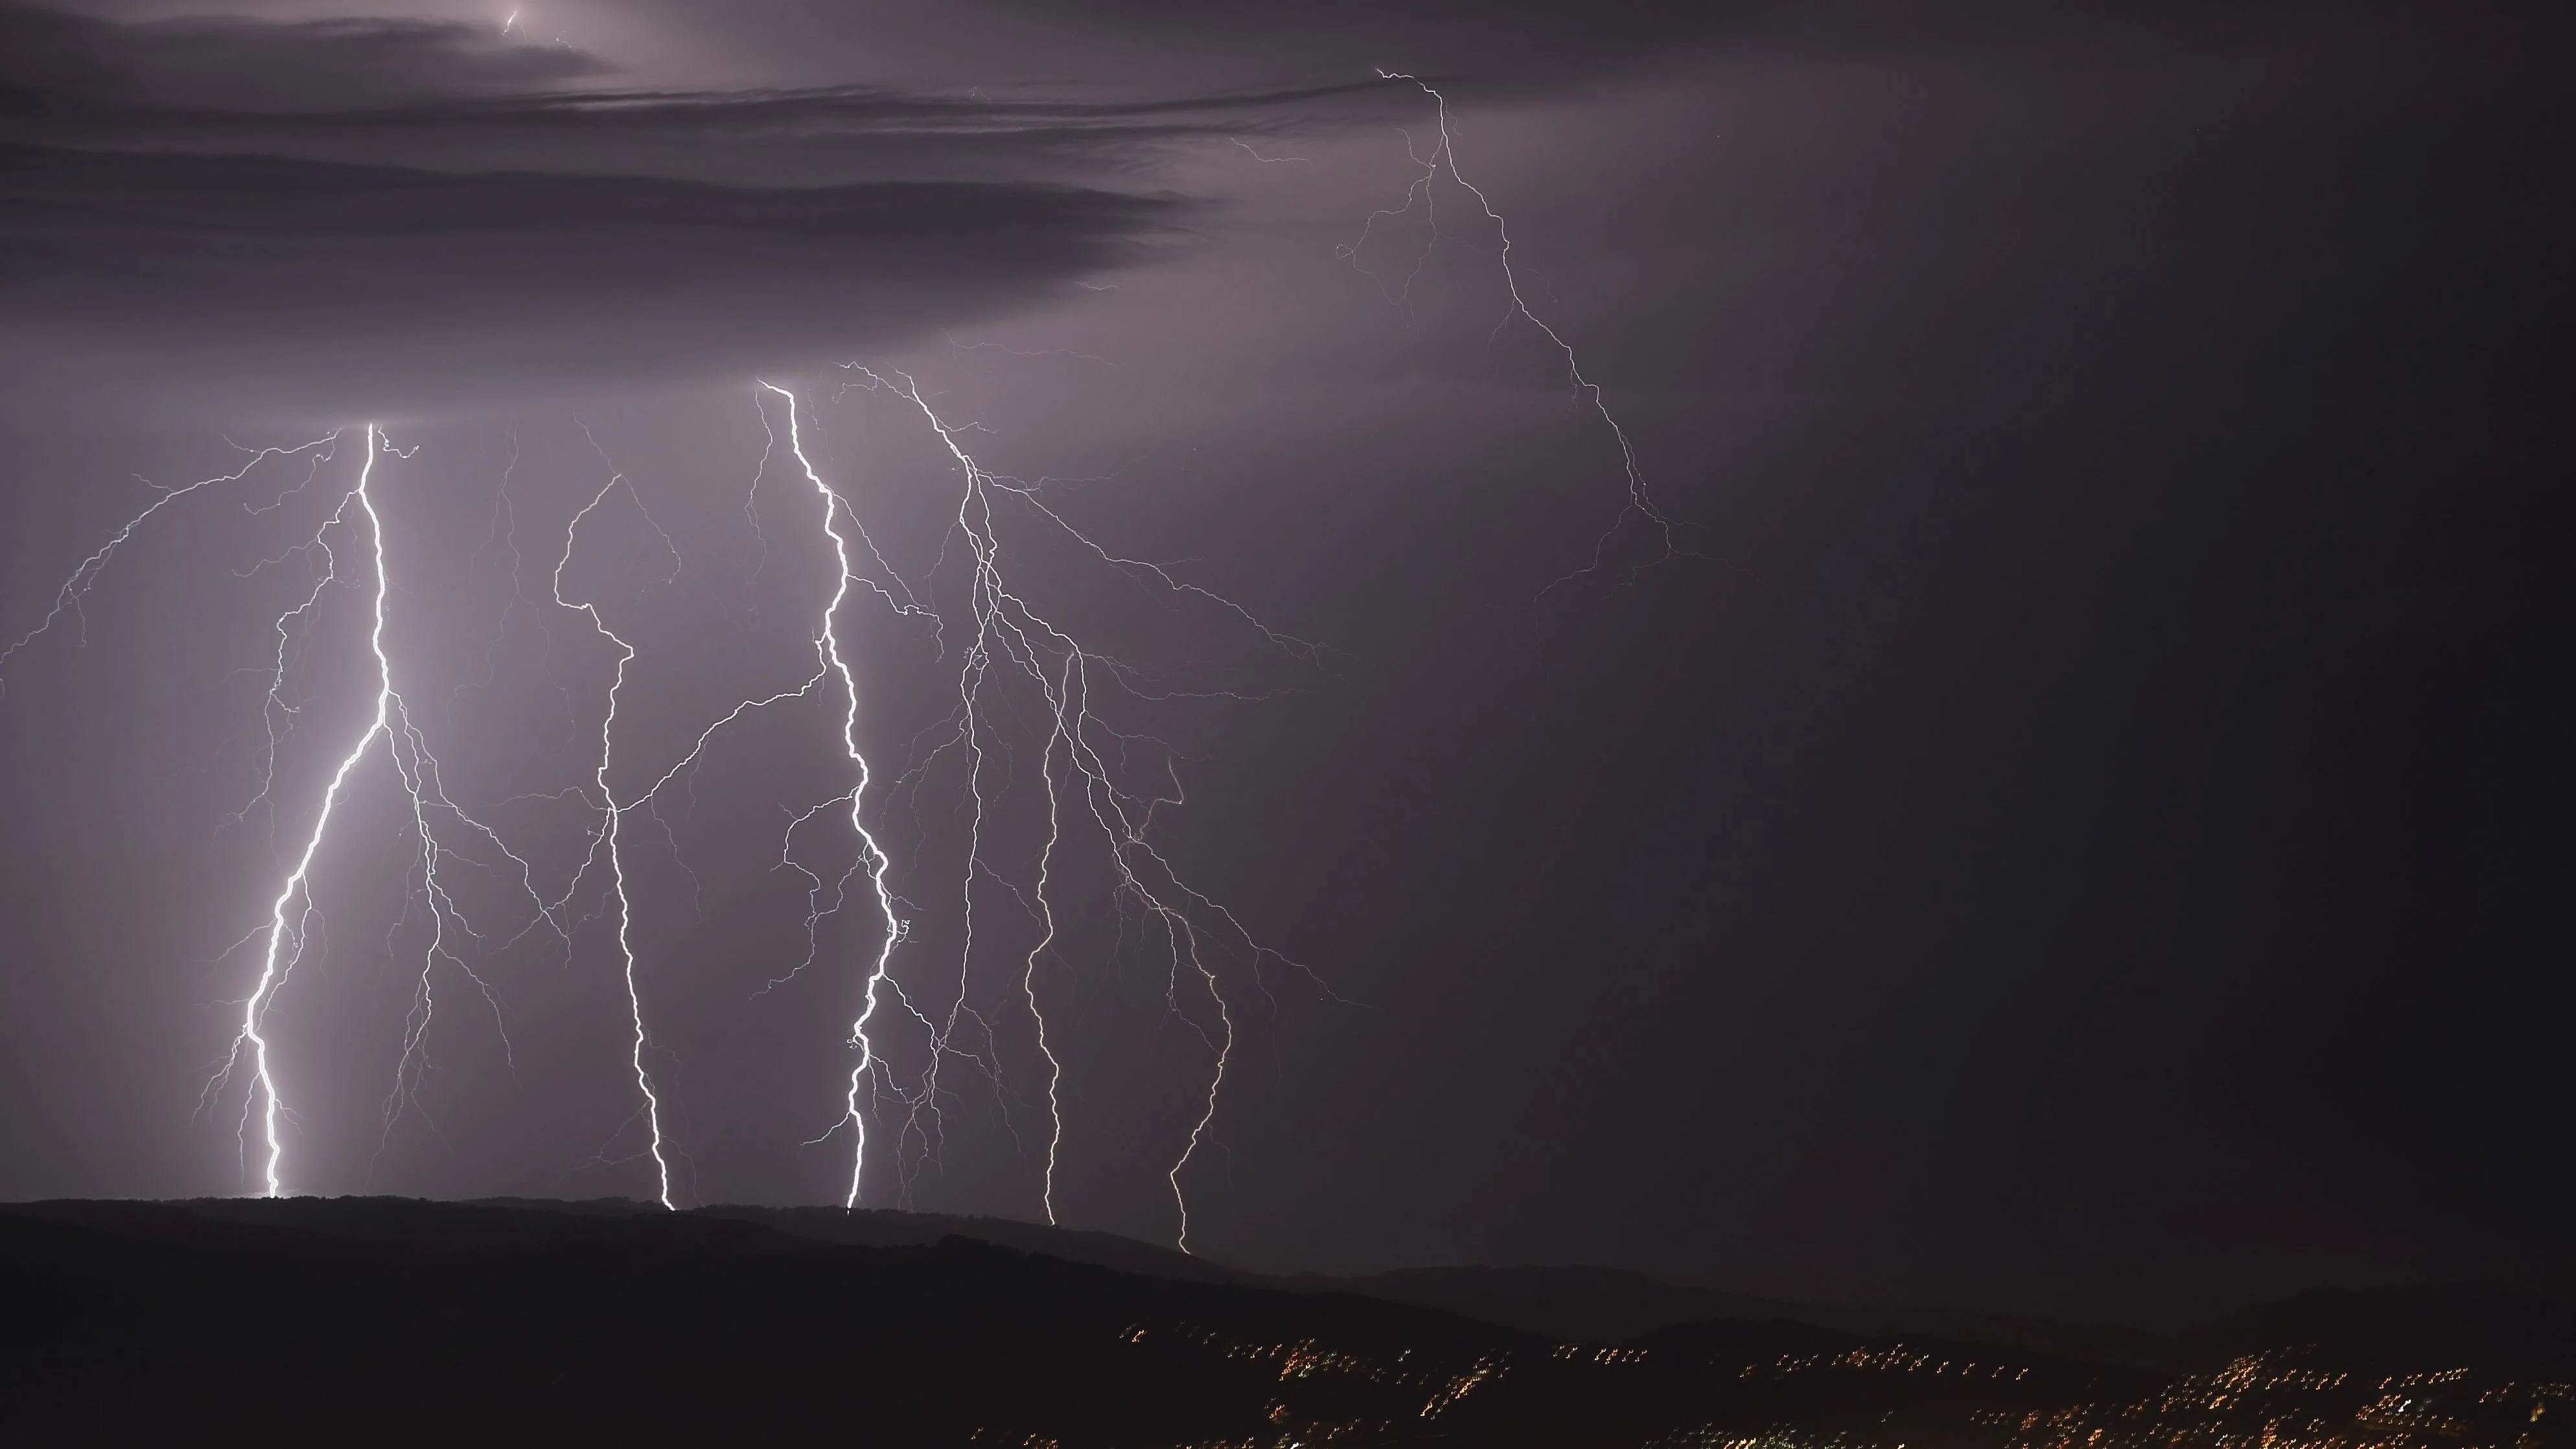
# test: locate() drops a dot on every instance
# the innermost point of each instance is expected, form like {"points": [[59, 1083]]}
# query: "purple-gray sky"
{"points": [[2087, 826]]}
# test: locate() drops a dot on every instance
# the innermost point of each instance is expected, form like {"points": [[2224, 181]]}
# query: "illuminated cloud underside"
{"points": [[1207, 952]]}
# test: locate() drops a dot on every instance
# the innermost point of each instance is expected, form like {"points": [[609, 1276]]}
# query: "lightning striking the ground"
{"points": [[294, 915], [1004, 633], [872, 856], [1009, 632], [607, 845], [1084, 772], [287, 934], [977, 943]]}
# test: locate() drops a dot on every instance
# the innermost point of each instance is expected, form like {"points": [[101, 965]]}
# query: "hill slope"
{"points": [[395, 1322]]}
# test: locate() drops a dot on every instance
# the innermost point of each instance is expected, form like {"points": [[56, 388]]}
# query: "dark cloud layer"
{"points": [[219, 62], [361, 287], [1529, 44], [374, 213], [461, 95]]}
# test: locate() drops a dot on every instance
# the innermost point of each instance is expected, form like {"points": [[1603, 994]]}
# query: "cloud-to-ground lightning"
{"points": [[432, 813], [1022, 679], [293, 913], [286, 938], [609, 841], [1006, 631], [1082, 766], [872, 856]]}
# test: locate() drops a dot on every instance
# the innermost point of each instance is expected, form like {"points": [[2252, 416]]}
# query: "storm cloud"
{"points": [[223, 62], [374, 214], [369, 287], [2089, 835]]}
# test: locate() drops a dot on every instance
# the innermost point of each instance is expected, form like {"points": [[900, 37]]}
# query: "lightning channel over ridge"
{"points": [[1022, 681]]}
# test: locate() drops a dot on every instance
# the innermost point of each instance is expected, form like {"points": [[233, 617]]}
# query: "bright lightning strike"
{"points": [[293, 914], [873, 858], [286, 937], [1026, 683], [1010, 636], [1083, 760], [444, 834], [607, 845]]}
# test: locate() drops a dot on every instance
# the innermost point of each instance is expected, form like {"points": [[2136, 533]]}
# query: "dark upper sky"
{"points": [[2088, 826]]}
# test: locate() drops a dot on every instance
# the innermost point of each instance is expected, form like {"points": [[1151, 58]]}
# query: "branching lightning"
{"points": [[872, 856], [1010, 635], [1443, 156], [607, 846], [285, 939], [1027, 681], [76, 587], [293, 915]]}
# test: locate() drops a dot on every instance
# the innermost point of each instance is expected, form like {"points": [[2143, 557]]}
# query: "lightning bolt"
{"points": [[445, 835], [425, 790], [1103, 786], [832, 666], [1247, 148], [872, 856], [607, 843], [1010, 635], [1640, 503], [294, 913], [1008, 652], [75, 588], [286, 937]]}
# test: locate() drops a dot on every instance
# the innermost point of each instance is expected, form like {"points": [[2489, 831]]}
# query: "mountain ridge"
{"points": [[394, 1321], [1609, 1306]]}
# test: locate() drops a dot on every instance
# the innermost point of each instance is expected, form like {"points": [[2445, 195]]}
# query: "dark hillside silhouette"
{"points": [[397, 1322]]}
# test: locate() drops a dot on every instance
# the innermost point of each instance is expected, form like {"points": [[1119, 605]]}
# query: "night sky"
{"points": [[2075, 814]]}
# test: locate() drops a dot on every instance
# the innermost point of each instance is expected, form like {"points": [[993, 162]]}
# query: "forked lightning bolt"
{"points": [[76, 587], [293, 913], [1022, 679], [872, 856], [1010, 635], [607, 842], [350, 549]]}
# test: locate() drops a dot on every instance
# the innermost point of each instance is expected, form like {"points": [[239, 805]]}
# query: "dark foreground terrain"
{"points": [[387, 1322]]}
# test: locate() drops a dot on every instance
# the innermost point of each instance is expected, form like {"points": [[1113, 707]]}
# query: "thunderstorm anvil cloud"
{"points": [[371, 287], [392, 217]]}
